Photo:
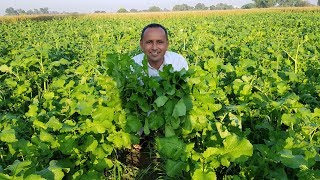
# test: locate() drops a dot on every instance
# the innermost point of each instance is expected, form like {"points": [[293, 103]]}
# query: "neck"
{"points": [[157, 64]]}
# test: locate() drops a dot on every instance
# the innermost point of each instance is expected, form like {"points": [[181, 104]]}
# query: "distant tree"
{"points": [[303, 4], [154, 9], [248, 6], [36, 11], [318, 2], [182, 7], [21, 11], [133, 10], [222, 6], [11, 11], [99, 11], [54, 12], [29, 12], [122, 10], [265, 3], [200, 6], [44, 10], [212, 7]]}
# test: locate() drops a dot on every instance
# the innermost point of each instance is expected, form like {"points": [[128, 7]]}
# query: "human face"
{"points": [[154, 44]]}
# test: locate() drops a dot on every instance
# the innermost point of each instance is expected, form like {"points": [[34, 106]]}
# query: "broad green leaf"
{"points": [[32, 112], [211, 151], [5, 176], [85, 107], [54, 123], [102, 164], [18, 166], [223, 131], [54, 171], [48, 95], [174, 168], [171, 147], [155, 121], [169, 132], [4, 68], [90, 144], [67, 144], [39, 124], [34, 177], [199, 174], [8, 136], [120, 139], [288, 119], [46, 137], [292, 161], [234, 147], [179, 109], [133, 123], [146, 129], [161, 100]]}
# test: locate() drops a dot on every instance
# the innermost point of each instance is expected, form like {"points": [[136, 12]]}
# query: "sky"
{"points": [[89, 6]]}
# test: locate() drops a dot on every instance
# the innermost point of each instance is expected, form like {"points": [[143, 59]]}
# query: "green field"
{"points": [[248, 108]]}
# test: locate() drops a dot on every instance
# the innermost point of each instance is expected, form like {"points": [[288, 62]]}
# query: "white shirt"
{"points": [[177, 61]]}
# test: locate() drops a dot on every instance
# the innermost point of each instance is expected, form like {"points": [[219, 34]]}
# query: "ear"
{"points": [[141, 44]]}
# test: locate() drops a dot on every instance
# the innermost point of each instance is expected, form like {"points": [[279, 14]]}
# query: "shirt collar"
{"points": [[161, 66]]}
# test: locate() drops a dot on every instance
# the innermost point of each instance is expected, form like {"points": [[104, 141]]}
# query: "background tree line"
{"points": [[223, 6], [45, 10], [180, 7]]}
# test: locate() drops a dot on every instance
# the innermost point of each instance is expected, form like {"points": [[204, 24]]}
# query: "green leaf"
{"points": [[18, 166], [292, 161], [169, 132], [199, 174], [180, 109], [34, 177], [120, 139], [48, 95], [5, 177], [133, 123], [54, 171], [171, 147], [84, 108], [4, 68], [234, 147], [161, 100], [223, 131], [8, 136], [46, 137], [67, 144], [32, 112], [174, 168], [288, 119], [54, 123], [146, 129], [90, 144], [155, 121]]}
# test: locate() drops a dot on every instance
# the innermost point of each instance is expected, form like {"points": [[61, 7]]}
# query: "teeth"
{"points": [[154, 53]]}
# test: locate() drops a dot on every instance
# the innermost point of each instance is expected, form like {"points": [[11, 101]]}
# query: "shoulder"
{"points": [[173, 55], [138, 58], [177, 60]]}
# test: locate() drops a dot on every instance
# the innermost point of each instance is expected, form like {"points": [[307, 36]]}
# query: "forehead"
{"points": [[154, 33]]}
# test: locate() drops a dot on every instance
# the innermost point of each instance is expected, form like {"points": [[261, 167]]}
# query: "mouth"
{"points": [[154, 53]]}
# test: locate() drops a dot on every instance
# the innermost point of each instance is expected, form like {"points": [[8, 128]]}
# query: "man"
{"points": [[154, 44]]}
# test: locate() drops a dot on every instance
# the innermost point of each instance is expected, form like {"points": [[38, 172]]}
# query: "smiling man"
{"points": [[154, 44]]}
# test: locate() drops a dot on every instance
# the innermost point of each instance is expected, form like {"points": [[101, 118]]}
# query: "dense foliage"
{"points": [[71, 99]]}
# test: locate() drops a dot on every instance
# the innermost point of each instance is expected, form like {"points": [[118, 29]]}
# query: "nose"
{"points": [[154, 46]]}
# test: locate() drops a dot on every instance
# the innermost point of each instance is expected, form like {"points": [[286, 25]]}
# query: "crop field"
{"points": [[71, 107]]}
